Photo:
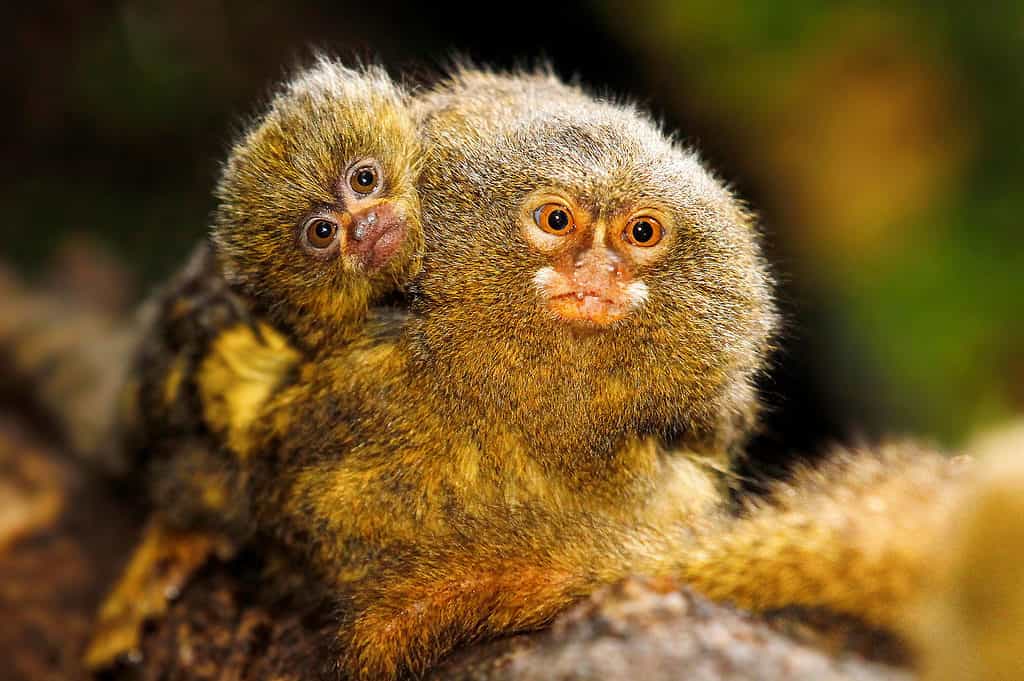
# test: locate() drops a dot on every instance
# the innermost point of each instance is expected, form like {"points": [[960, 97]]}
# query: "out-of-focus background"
{"points": [[880, 142]]}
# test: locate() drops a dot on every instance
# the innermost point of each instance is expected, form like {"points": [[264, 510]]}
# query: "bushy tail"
{"points": [[66, 362], [902, 538], [852, 535]]}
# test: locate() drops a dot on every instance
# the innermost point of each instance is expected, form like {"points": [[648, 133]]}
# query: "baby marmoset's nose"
{"points": [[363, 227], [375, 235]]}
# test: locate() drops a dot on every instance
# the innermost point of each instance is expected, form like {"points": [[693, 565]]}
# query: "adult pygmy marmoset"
{"points": [[576, 366]]}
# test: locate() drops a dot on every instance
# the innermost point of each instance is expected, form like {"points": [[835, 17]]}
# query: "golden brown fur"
{"points": [[969, 625], [296, 164], [475, 468], [852, 535], [290, 166], [471, 467], [480, 437], [290, 162]]}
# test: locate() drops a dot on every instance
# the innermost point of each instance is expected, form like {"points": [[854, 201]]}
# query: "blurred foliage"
{"points": [[880, 141], [886, 139]]}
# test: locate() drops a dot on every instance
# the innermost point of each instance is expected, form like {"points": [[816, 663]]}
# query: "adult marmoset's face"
{"points": [[569, 241], [586, 231]]}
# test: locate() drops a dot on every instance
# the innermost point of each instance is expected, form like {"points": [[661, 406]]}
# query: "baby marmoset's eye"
{"points": [[643, 231], [554, 218], [320, 233], [364, 179]]}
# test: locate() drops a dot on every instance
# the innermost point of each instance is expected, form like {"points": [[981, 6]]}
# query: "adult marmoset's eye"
{"points": [[321, 233], [554, 218], [643, 232], [364, 179]]}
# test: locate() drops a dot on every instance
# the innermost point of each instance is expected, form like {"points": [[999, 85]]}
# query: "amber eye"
{"points": [[554, 218], [363, 179], [321, 233], [644, 232]]}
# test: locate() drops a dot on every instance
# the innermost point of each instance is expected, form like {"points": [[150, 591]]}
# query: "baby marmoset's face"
{"points": [[571, 243], [318, 205]]}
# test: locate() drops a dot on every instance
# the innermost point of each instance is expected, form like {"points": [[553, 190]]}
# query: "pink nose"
{"points": [[597, 268], [375, 236]]}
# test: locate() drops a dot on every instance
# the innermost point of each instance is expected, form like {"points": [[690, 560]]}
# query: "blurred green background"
{"points": [[880, 142]]}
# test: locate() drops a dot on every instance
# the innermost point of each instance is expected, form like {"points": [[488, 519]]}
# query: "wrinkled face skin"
{"points": [[585, 277]]}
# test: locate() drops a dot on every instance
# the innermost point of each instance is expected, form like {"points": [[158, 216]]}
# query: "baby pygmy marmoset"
{"points": [[318, 215], [317, 219]]}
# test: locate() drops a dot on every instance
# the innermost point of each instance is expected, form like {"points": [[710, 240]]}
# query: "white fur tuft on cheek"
{"points": [[636, 293], [545, 277]]}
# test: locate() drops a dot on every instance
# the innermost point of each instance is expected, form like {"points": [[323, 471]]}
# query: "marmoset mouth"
{"points": [[594, 299], [589, 306]]}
